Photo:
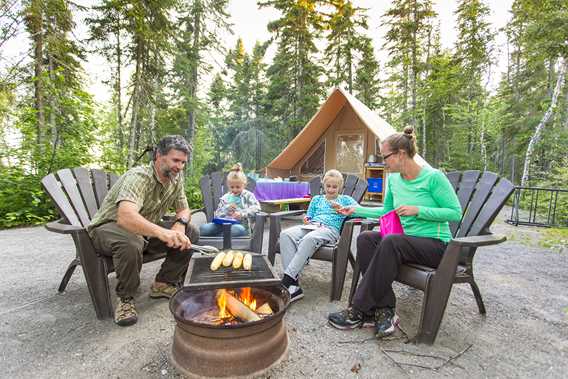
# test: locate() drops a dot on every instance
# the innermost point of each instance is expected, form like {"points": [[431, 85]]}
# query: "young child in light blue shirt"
{"points": [[322, 225]]}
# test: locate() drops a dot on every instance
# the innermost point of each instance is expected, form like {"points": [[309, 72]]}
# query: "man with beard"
{"points": [[128, 224]]}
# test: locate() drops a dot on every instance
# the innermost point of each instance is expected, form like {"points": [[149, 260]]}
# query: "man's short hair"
{"points": [[175, 142]]}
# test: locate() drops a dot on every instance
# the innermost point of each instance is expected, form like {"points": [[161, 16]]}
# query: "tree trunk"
{"points": [[35, 20], [135, 107], [118, 89], [538, 130], [194, 77]]}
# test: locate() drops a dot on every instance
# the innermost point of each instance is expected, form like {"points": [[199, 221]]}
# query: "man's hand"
{"points": [[178, 227], [345, 211], [406, 210], [175, 239], [306, 220]]}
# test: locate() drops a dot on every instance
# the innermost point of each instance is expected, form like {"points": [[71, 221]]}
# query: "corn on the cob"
{"points": [[228, 258], [238, 260], [247, 262], [216, 262]]}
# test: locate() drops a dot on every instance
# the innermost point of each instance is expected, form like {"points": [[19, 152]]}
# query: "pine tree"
{"points": [[345, 40], [200, 24], [367, 84], [409, 24], [294, 90]]}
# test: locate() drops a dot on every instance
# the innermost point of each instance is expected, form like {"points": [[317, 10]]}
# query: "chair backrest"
{"points": [[481, 196], [213, 186], [353, 186], [78, 193]]}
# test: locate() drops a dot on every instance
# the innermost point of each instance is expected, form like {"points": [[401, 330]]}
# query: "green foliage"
{"points": [[22, 200]]}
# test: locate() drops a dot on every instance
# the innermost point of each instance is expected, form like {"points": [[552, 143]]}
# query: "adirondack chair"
{"points": [[212, 187], [339, 253], [77, 194], [481, 195]]}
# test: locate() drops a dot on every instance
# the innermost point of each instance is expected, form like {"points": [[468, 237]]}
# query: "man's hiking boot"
{"points": [[386, 323], [350, 318], [164, 291], [125, 313]]}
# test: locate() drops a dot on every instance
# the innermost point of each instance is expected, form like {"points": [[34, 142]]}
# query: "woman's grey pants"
{"points": [[297, 245]]}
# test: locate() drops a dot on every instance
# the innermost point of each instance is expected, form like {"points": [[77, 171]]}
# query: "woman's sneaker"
{"points": [[386, 323], [350, 318], [296, 293]]}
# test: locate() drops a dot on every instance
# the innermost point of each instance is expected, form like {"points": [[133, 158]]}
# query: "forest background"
{"points": [[171, 73]]}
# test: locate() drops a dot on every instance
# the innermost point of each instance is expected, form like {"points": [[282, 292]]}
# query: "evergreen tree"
{"points": [[473, 55], [294, 89], [409, 24], [200, 24], [367, 84], [344, 41]]}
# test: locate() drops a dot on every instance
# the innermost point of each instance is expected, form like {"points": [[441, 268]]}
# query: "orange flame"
{"points": [[222, 304], [247, 299]]}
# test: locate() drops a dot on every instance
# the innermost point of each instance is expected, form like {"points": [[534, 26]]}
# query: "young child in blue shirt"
{"points": [[321, 226], [238, 204]]}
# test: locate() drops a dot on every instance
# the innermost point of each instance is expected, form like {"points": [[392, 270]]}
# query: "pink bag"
{"points": [[390, 224]]}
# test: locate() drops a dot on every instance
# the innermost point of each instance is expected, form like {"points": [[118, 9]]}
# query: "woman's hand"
{"points": [[345, 211], [236, 215], [306, 220], [406, 210]]}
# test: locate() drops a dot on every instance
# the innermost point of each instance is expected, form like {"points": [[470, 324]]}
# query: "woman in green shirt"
{"points": [[425, 201]]}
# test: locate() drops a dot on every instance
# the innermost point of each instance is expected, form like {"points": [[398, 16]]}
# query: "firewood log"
{"points": [[238, 309]]}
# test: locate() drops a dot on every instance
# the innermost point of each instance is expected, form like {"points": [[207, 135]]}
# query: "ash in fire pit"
{"points": [[229, 332]]}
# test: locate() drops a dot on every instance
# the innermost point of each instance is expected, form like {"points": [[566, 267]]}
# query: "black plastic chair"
{"points": [[482, 196], [213, 187], [339, 253], [77, 194]]}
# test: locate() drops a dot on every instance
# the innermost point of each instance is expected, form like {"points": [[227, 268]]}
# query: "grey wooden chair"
{"points": [[482, 196], [212, 187], [77, 194], [339, 253]]}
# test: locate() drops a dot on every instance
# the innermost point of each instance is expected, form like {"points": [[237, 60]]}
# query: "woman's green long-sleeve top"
{"points": [[434, 196]]}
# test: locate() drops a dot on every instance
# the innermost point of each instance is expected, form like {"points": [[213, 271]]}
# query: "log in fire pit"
{"points": [[227, 331]]}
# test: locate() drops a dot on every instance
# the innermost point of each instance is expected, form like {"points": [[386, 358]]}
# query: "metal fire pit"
{"points": [[239, 350]]}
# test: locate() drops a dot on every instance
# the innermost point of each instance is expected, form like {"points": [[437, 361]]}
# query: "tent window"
{"points": [[350, 153], [314, 164]]}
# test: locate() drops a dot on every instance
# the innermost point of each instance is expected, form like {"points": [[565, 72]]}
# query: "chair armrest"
{"points": [[60, 227], [477, 241], [194, 211], [286, 213], [366, 224]]}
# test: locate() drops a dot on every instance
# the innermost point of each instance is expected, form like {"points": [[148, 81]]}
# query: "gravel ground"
{"points": [[44, 334]]}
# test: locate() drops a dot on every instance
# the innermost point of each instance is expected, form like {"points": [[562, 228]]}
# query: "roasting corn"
{"points": [[216, 262], [247, 262], [228, 258], [238, 260]]}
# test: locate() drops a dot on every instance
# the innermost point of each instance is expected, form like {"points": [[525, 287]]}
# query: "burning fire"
{"points": [[236, 304], [246, 297]]}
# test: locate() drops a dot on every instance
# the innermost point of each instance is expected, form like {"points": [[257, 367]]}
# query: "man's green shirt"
{"points": [[141, 186]]}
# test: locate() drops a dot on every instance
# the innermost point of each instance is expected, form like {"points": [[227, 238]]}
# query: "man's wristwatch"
{"points": [[182, 220]]}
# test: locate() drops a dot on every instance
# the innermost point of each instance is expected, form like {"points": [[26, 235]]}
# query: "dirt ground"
{"points": [[44, 334]]}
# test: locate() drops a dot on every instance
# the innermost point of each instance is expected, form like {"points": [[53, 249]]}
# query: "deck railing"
{"points": [[536, 206]]}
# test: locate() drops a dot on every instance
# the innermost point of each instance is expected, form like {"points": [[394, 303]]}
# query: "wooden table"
{"points": [[283, 204]]}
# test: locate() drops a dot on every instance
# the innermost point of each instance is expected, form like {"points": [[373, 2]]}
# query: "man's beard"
{"points": [[168, 173]]}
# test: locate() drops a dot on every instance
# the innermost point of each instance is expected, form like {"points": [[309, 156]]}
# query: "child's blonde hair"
{"points": [[236, 174], [334, 174]]}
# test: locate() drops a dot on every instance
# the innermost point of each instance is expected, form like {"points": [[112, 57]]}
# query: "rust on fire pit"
{"points": [[210, 342]]}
